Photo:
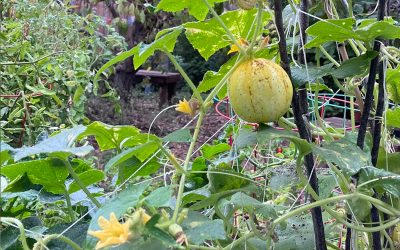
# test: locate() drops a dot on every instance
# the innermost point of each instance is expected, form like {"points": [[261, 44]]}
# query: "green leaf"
{"points": [[160, 197], [197, 8], [299, 235], [318, 87], [310, 74], [378, 29], [223, 178], [210, 151], [51, 173], [382, 181], [244, 202], [345, 154], [166, 41], [62, 142], [118, 205], [393, 118], [355, 66], [4, 152], [141, 152], [135, 166], [393, 84], [211, 78], [198, 228], [108, 136], [212, 199], [331, 30], [207, 37], [388, 161], [88, 178], [181, 135]]}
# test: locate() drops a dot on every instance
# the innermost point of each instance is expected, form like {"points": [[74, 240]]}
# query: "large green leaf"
{"points": [[331, 30], [345, 154], [393, 84], [141, 152], [118, 205], [62, 142], [160, 197], [88, 178], [165, 40], [355, 66], [197, 8], [199, 228], [109, 136], [208, 36], [393, 118], [382, 181], [51, 173]]}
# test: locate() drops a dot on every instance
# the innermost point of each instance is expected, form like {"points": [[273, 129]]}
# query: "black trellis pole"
{"points": [[376, 236], [319, 234]]}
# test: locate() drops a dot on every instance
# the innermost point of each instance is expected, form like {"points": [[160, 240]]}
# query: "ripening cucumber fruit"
{"points": [[260, 91]]}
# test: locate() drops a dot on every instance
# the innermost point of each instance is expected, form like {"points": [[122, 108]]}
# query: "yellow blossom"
{"points": [[112, 233], [184, 107], [235, 48]]}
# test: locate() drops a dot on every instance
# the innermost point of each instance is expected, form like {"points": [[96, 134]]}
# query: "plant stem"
{"points": [[258, 24], [173, 160], [80, 183], [184, 75], [68, 199], [228, 32], [18, 223], [28, 118], [67, 240], [329, 57], [186, 164]]}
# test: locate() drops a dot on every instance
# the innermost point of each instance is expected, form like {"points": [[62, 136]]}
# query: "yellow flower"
{"points": [[112, 233], [235, 48], [184, 107]]}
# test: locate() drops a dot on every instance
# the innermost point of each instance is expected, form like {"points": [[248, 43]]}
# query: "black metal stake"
{"points": [[319, 233]]}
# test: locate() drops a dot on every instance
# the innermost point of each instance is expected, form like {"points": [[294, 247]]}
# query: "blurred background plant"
{"points": [[48, 57]]}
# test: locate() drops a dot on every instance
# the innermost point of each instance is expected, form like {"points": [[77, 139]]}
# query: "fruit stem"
{"points": [[259, 20]]}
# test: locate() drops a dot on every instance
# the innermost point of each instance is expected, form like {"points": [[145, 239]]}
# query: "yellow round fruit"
{"points": [[247, 4], [260, 91]]}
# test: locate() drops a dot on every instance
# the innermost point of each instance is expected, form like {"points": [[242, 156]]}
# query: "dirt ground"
{"points": [[140, 110]]}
